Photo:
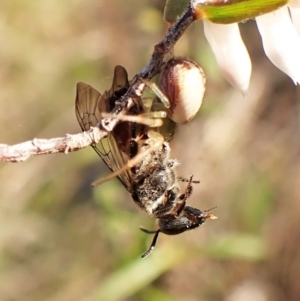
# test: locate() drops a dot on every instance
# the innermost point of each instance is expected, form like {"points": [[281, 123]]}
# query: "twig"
{"points": [[21, 152], [71, 143], [161, 51]]}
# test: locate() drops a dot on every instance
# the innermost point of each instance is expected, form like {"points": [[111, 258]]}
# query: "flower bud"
{"points": [[183, 83]]}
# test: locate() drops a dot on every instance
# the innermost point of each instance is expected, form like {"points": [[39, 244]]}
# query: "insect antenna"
{"points": [[210, 209], [152, 246], [210, 215]]}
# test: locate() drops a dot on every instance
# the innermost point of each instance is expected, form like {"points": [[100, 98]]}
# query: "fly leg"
{"points": [[158, 141], [182, 179]]}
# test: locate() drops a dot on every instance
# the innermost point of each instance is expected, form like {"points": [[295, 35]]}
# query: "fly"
{"points": [[140, 157]]}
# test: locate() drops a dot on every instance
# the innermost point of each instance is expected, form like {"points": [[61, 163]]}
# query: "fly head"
{"points": [[189, 218]]}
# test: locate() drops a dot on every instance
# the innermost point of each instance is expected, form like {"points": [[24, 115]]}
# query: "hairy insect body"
{"points": [[152, 178], [140, 158], [156, 189]]}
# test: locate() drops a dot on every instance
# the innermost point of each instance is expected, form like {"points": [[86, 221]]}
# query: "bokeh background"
{"points": [[62, 240]]}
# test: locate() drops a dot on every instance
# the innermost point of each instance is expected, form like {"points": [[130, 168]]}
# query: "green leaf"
{"points": [[223, 11], [232, 11], [173, 9]]}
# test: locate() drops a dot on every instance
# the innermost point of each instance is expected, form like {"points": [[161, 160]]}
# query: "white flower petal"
{"points": [[230, 52], [294, 3], [281, 41], [295, 15]]}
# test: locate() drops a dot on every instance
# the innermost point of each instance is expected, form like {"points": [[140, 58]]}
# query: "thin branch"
{"points": [[23, 151], [71, 143], [159, 56]]}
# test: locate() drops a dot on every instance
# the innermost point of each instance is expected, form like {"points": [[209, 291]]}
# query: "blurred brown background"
{"points": [[62, 240]]}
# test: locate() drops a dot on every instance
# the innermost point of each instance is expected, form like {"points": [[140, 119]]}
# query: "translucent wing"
{"points": [[89, 105]]}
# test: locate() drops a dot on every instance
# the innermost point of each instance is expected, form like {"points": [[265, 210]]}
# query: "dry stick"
{"points": [[70, 143], [159, 55], [23, 151]]}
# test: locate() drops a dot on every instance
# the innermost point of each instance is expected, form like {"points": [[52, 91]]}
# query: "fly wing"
{"points": [[89, 105], [88, 114], [119, 87], [86, 106]]}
